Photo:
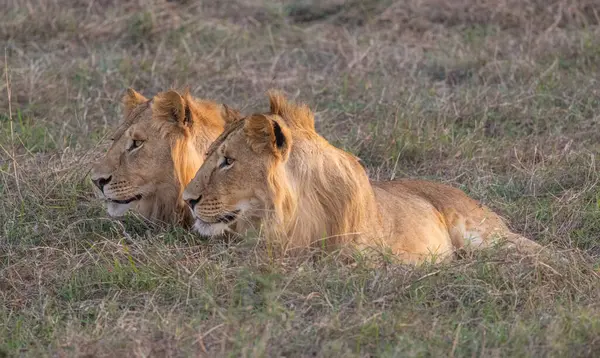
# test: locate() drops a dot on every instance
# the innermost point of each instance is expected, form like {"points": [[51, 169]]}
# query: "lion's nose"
{"points": [[101, 182], [193, 202]]}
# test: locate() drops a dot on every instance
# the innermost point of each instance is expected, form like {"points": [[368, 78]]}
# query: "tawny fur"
{"points": [[318, 195]]}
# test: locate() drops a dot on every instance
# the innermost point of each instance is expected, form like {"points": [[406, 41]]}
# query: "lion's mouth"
{"points": [[229, 217], [217, 225], [126, 201]]}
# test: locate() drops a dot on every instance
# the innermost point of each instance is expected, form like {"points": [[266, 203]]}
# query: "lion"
{"points": [[273, 172], [155, 152]]}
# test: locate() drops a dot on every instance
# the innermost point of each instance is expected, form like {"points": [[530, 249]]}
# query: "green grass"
{"points": [[501, 101]]}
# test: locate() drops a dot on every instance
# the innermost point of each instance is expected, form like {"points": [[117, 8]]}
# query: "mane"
{"points": [[188, 144], [189, 141], [322, 194], [298, 117]]}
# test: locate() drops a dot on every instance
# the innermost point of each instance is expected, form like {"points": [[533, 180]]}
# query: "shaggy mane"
{"points": [[200, 122], [322, 195], [296, 116]]}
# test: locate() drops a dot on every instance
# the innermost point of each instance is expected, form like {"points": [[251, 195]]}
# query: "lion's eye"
{"points": [[226, 162], [136, 144]]}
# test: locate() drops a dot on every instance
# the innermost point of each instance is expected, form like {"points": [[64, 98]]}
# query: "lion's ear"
{"points": [[229, 114], [132, 99], [173, 107], [263, 133]]}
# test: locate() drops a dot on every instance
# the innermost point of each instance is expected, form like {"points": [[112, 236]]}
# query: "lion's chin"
{"points": [[116, 209], [210, 229]]}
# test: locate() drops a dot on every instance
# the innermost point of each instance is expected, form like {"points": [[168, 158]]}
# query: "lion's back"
{"points": [[466, 218]]}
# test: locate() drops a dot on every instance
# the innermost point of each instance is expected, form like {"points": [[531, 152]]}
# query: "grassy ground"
{"points": [[500, 98]]}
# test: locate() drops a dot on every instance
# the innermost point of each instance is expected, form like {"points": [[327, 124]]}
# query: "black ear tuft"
{"points": [[279, 136], [187, 120]]}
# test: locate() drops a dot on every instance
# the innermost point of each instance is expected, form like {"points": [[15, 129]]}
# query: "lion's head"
{"points": [[269, 169], [155, 152], [234, 183]]}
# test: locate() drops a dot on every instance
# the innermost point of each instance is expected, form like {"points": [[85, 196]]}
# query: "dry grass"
{"points": [[499, 98]]}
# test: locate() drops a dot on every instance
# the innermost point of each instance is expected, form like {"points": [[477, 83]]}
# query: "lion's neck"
{"points": [[166, 206], [329, 199], [187, 155]]}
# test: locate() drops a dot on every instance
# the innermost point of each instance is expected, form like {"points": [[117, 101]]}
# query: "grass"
{"points": [[498, 98]]}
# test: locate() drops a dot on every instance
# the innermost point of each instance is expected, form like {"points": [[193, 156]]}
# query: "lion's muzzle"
{"points": [[100, 182]]}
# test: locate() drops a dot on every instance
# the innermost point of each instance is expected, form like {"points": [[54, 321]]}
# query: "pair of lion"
{"points": [[274, 173]]}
